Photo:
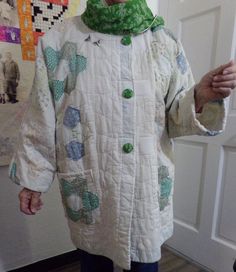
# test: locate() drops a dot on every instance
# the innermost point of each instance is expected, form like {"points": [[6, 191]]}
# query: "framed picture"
{"points": [[16, 78]]}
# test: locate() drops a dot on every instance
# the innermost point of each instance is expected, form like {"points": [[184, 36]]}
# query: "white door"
{"points": [[205, 188]]}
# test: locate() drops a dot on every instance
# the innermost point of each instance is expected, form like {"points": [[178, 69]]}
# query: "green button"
{"points": [[126, 40], [128, 93], [127, 148]]}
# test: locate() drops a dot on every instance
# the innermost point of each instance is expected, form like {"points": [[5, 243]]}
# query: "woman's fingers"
{"points": [[230, 69], [35, 202], [222, 92], [24, 198], [30, 201], [229, 77], [40, 204], [223, 68], [225, 84]]}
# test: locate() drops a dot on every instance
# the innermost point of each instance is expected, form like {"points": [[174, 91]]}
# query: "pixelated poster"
{"points": [[22, 22]]}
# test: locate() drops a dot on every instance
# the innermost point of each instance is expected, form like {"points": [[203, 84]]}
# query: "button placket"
{"points": [[127, 140], [127, 118]]}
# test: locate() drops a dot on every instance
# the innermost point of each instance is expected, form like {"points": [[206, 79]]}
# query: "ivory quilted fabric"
{"points": [[102, 116]]}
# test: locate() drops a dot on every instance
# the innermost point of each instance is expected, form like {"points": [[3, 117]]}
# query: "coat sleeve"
{"points": [[33, 163], [182, 119]]}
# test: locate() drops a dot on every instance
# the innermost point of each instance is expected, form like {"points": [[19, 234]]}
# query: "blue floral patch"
{"points": [[182, 63], [166, 184], [75, 150], [72, 117], [78, 188]]}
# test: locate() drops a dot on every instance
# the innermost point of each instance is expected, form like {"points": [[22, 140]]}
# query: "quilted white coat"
{"points": [[101, 117]]}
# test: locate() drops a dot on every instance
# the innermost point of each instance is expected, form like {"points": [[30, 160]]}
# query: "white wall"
{"points": [[28, 239], [153, 4]]}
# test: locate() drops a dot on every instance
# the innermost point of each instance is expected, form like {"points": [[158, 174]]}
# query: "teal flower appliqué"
{"points": [[57, 88], [12, 173], [165, 186], [79, 202], [51, 57], [76, 63]]}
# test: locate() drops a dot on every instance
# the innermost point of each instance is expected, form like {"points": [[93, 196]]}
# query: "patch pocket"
{"points": [[79, 196]]}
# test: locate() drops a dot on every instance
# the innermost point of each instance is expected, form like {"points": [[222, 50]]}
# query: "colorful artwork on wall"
{"points": [[31, 19], [36, 17]]}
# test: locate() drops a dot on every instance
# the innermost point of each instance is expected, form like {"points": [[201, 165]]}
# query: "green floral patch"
{"points": [[80, 63], [13, 170], [51, 58], [57, 88], [68, 51], [76, 63], [89, 201], [166, 184], [12, 173]]}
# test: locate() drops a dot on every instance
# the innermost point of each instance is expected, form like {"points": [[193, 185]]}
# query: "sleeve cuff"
{"points": [[21, 174], [210, 122]]}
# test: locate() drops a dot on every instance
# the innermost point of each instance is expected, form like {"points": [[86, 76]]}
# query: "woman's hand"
{"points": [[30, 201], [215, 85]]}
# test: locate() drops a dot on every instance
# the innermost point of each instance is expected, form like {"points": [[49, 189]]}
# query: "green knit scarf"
{"points": [[131, 17]]}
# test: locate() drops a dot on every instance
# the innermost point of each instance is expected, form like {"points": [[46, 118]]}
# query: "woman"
{"points": [[111, 89]]}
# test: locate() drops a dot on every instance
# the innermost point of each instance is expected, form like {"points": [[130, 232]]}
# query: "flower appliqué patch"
{"points": [[51, 58], [75, 150], [165, 186], [76, 63], [57, 88], [182, 63], [12, 175], [79, 202], [72, 117]]}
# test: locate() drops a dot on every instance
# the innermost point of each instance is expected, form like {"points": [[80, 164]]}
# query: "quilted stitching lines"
{"points": [[78, 200], [165, 186]]}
